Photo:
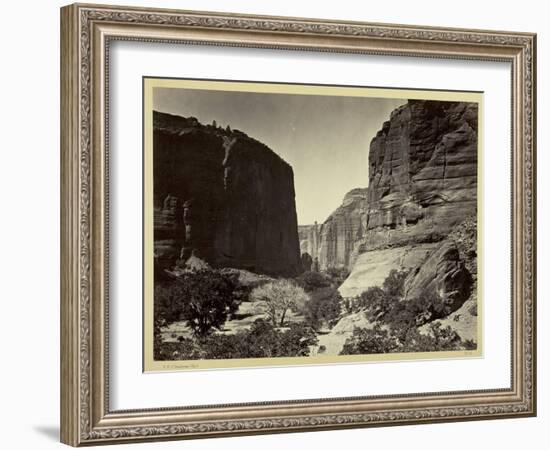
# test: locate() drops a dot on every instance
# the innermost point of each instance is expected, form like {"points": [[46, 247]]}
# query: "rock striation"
{"points": [[373, 267], [309, 239], [342, 230], [443, 273], [332, 242], [223, 196], [422, 173], [422, 183]]}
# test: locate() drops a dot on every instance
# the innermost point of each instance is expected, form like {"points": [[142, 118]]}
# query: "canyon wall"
{"points": [[419, 216], [309, 236], [422, 183], [342, 230], [222, 196], [422, 173]]}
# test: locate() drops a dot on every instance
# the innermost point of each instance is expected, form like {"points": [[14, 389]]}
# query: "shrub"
{"points": [[297, 340], [378, 340], [203, 299], [375, 301], [311, 281], [465, 237], [263, 340], [405, 315], [438, 339], [394, 283], [184, 349], [401, 318], [378, 301], [337, 275], [365, 341], [279, 297], [323, 307]]}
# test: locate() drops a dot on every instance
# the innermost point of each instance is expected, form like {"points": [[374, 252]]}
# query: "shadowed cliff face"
{"points": [[422, 183], [223, 196]]}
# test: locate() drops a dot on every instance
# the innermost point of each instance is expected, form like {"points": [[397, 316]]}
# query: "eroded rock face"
{"points": [[309, 239], [443, 273], [422, 173], [422, 183], [463, 321], [342, 230], [372, 268], [223, 195]]}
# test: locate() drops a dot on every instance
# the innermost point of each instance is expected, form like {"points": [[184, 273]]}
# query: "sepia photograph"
{"points": [[289, 224]]}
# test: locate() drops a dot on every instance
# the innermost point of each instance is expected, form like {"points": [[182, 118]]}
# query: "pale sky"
{"points": [[324, 138]]}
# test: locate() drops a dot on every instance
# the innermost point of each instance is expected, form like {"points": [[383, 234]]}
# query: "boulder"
{"points": [[334, 340], [462, 321], [444, 273]]}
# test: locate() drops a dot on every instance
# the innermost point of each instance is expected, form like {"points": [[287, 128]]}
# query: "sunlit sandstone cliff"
{"points": [[422, 182], [419, 214]]}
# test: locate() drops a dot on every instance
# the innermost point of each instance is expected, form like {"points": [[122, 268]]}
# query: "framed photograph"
{"points": [[275, 224]]}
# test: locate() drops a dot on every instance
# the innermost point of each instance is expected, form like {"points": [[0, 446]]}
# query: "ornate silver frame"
{"points": [[86, 31]]}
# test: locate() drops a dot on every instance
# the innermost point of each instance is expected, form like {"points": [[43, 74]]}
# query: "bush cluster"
{"points": [[263, 340], [386, 340], [323, 308], [337, 275], [397, 321], [377, 301], [311, 281]]}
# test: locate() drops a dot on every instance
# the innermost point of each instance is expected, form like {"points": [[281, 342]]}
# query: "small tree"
{"points": [[279, 297], [375, 301], [394, 284], [311, 281], [203, 299], [324, 307]]}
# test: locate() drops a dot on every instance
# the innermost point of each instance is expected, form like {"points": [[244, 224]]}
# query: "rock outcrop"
{"points": [[223, 195], [332, 243], [422, 183], [463, 321], [333, 342], [342, 230], [443, 273], [372, 268], [422, 173], [418, 215]]}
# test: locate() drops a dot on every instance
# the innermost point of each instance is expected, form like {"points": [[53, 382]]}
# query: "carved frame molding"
{"points": [[86, 31]]}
